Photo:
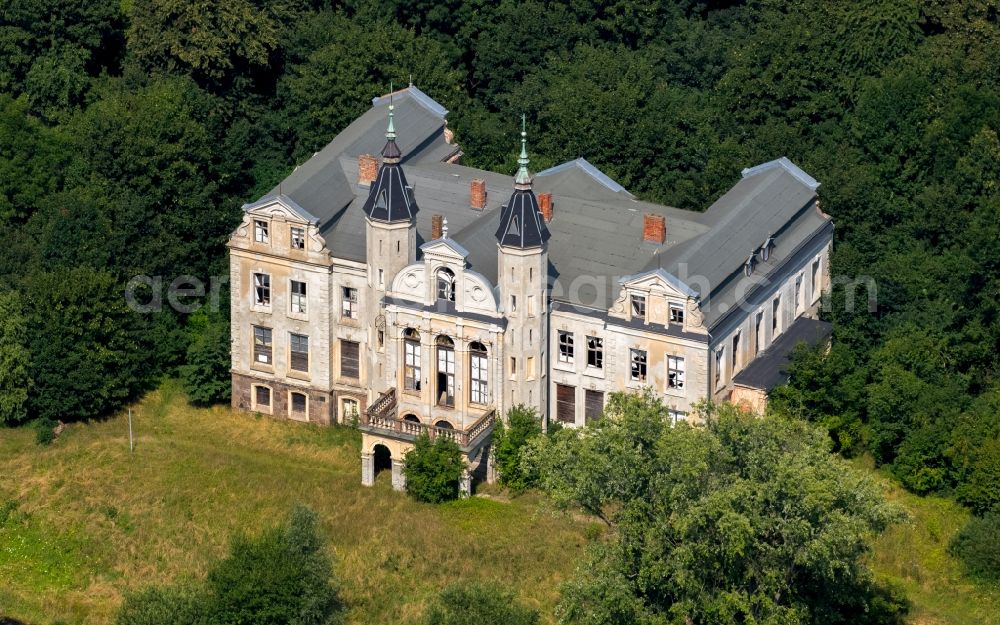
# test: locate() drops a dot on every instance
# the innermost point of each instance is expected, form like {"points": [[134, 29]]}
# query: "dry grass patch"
{"points": [[92, 521]]}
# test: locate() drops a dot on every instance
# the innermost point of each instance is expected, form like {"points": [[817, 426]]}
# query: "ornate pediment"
{"points": [[282, 207], [660, 282]]}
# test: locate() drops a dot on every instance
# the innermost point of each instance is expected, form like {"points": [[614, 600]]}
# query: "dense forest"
{"points": [[131, 133]]}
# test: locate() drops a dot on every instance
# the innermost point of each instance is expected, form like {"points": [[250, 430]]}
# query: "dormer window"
{"points": [[677, 313], [639, 307], [260, 231], [766, 248], [446, 284], [750, 264], [298, 238]]}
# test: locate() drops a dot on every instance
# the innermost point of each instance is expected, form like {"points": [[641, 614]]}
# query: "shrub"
{"points": [[281, 577], [44, 431], [161, 606], [981, 489], [478, 603], [508, 440], [206, 375], [977, 545], [433, 469]]}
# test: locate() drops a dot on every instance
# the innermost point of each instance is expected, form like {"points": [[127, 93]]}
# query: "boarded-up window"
{"points": [[349, 367], [566, 403], [593, 405]]}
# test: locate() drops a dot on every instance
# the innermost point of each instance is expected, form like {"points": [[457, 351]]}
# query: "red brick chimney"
{"points": [[436, 223], [477, 194], [654, 228], [545, 205], [367, 169]]}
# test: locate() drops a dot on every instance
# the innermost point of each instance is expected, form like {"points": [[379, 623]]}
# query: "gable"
{"points": [[282, 207]]}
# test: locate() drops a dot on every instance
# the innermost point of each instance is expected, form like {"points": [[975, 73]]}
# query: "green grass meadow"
{"points": [[83, 521]]}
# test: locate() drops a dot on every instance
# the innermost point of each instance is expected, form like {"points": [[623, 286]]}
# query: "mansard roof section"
{"points": [[285, 202], [788, 166], [579, 178]]}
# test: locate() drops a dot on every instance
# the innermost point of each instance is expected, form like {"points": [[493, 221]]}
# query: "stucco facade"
{"points": [[347, 308]]}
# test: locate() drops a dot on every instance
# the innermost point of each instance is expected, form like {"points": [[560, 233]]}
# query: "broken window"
{"points": [[639, 307], [675, 372], [298, 298], [446, 284], [638, 360], [298, 238], [411, 360], [565, 346], [595, 352], [260, 231], [677, 314], [262, 289], [349, 303]]}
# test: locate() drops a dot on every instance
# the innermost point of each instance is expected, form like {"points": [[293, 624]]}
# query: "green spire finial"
{"points": [[390, 132], [523, 177]]}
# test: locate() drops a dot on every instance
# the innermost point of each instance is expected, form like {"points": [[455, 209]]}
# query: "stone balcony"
{"points": [[381, 418]]}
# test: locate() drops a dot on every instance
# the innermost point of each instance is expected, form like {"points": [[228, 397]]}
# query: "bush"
{"points": [[508, 440], [977, 545], [477, 603], [281, 577], [433, 469], [161, 606], [981, 489], [44, 431], [206, 375]]}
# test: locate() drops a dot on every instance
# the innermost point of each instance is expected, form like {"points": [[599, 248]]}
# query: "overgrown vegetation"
{"points": [[462, 604], [88, 523], [746, 519], [433, 469], [523, 424], [977, 545], [282, 577]]}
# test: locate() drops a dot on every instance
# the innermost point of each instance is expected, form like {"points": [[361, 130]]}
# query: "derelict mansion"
{"points": [[386, 284]]}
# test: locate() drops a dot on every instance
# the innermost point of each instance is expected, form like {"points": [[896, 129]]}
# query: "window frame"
{"points": [[566, 346], [255, 403], [595, 347], [674, 307], [479, 374], [297, 237], [348, 302], [637, 304], [262, 289], [638, 365], [297, 356], [676, 372], [262, 231], [291, 405], [356, 365], [298, 302], [411, 365], [262, 347]]}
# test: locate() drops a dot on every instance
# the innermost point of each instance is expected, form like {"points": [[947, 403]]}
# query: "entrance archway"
{"points": [[382, 458]]}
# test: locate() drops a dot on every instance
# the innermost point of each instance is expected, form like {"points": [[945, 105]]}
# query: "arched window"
{"points": [[411, 360], [446, 284], [478, 373], [445, 371]]}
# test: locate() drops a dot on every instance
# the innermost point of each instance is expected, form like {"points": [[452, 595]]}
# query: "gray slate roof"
{"points": [[596, 233]]}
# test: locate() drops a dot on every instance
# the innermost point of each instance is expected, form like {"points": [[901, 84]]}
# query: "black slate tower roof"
{"points": [[390, 199], [521, 222]]}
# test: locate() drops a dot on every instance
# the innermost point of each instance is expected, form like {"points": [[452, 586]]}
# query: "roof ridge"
{"points": [[418, 96]]}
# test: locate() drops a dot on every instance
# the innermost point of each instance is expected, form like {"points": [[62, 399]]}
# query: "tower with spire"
{"points": [[522, 271], [391, 240]]}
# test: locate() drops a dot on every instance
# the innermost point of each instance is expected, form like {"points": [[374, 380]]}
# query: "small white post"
{"points": [[131, 449]]}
